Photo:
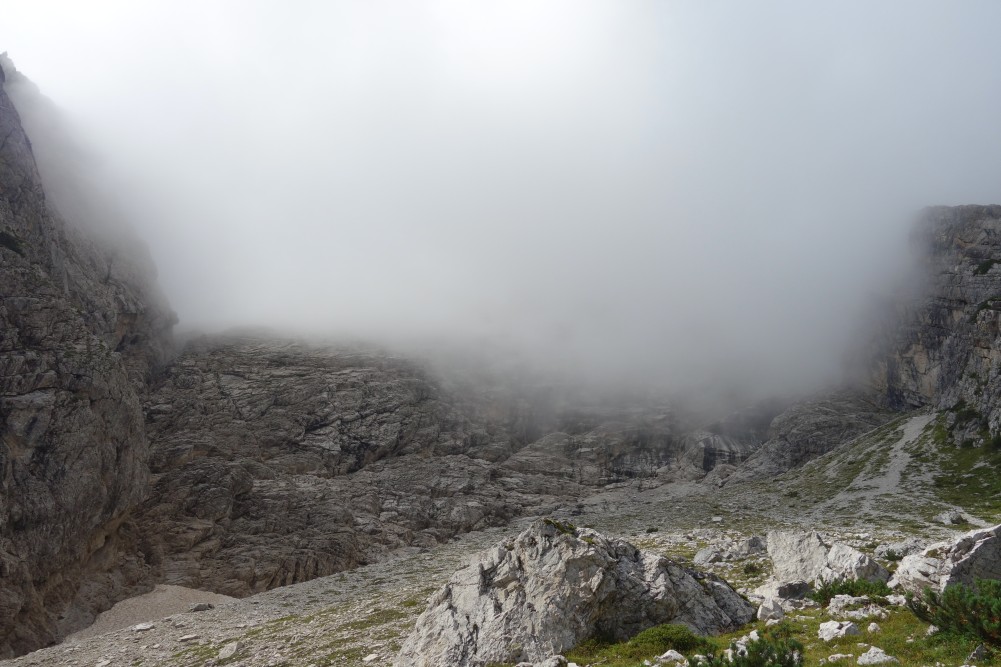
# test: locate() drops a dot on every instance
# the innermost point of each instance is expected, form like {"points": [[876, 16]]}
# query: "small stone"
{"points": [[875, 656], [932, 629], [671, 656], [717, 519], [202, 606], [142, 627], [835, 629], [370, 657], [839, 656], [873, 627], [554, 661], [229, 650], [770, 609], [979, 653], [188, 638], [104, 662]]}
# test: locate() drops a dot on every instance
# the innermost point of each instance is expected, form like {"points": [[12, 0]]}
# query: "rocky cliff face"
{"points": [[244, 463], [275, 462], [79, 332], [943, 350]]}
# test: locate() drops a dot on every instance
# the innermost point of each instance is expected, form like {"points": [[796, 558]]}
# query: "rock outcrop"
{"points": [[809, 429], [555, 585], [81, 329], [973, 555], [275, 462], [806, 557], [944, 349]]}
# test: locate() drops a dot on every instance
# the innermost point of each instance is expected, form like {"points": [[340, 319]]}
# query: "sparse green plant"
{"points": [[893, 556], [984, 266], [775, 649], [651, 642], [564, 527], [752, 569], [877, 590], [963, 610]]}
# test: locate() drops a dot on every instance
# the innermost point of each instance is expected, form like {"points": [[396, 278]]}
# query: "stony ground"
{"points": [[361, 617]]}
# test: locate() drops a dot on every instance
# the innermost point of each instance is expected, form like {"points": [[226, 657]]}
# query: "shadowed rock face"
{"points": [[79, 334], [944, 348], [274, 462]]}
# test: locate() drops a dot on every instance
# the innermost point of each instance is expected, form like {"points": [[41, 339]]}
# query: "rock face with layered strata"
{"points": [[945, 347], [553, 586], [81, 329]]}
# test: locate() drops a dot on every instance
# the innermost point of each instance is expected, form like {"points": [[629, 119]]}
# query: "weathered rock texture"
{"points": [[81, 329], [806, 557], [974, 555], [554, 586], [276, 462], [809, 429], [944, 348]]}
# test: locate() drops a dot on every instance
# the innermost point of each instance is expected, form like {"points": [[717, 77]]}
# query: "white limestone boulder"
{"points": [[555, 585], [971, 556]]}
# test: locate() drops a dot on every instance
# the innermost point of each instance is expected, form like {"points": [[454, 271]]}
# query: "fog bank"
{"points": [[700, 192]]}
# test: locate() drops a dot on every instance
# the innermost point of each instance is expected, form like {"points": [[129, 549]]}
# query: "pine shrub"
{"points": [[963, 610], [776, 649], [853, 587]]}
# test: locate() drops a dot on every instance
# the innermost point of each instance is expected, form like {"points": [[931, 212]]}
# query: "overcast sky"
{"points": [[665, 187]]}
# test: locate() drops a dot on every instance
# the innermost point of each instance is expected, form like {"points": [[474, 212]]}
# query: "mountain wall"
{"points": [[81, 329], [944, 350], [238, 463]]}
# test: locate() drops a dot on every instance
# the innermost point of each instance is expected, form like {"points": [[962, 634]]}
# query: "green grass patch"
{"points": [[380, 617], [649, 643]]}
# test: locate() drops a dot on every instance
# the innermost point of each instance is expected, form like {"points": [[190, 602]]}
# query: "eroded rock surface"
{"points": [[806, 557], [81, 329], [973, 555], [553, 586], [944, 348]]}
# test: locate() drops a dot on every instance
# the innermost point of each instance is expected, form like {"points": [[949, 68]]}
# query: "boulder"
{"points": [[555, 585], [771, 609], [835, 629], [805, 556], [899, 549], [952, 518], [973, 555]]}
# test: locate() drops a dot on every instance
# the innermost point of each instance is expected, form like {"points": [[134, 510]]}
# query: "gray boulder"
{"points": [[973, 555], [806, 557], [553, 586]]}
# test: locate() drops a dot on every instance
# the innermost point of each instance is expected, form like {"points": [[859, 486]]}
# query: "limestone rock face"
{"points": [[974, 555], [809, 429], [274, 462], [805, 557], [552, 587], [81, 329], [945, 347]]}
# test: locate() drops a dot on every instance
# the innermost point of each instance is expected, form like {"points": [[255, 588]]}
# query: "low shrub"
{"points": [[649, 643], [853, 587], [776, 649], [972, 611]]}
